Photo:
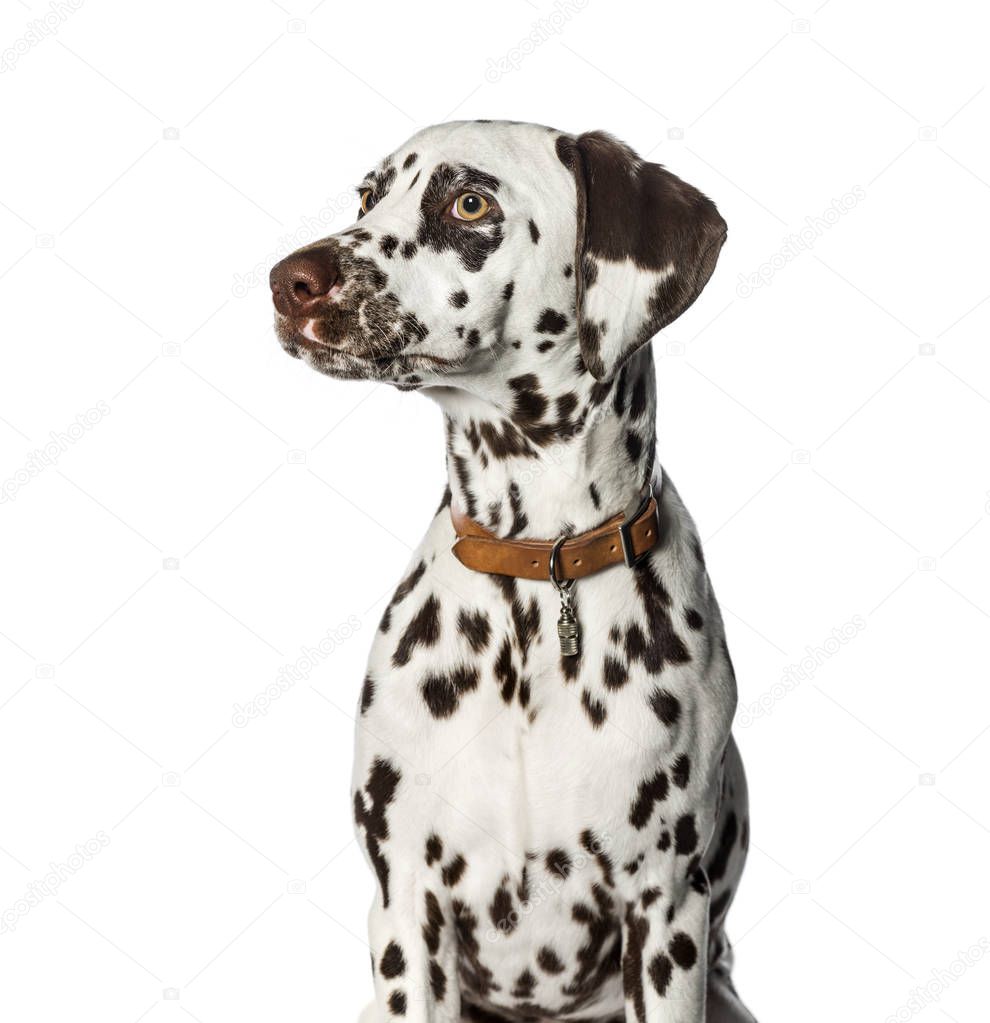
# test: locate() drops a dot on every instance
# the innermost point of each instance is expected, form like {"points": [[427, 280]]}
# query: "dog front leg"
{"points": [[665, 946], [414, 956]]}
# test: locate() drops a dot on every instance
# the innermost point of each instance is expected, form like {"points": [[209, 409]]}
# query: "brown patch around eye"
{"points": [[440, 230]]}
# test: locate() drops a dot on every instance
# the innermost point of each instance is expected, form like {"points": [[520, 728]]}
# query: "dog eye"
{"points": [[367, 200], [469, 206]]}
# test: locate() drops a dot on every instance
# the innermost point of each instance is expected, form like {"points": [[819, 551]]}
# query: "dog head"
{"points": [[482, 247]]}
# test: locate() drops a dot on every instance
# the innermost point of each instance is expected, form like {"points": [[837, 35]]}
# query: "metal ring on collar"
{"points": [[563, 585]]}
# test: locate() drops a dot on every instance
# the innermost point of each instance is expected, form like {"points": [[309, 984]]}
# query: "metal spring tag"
{"points": [[568, 630]]}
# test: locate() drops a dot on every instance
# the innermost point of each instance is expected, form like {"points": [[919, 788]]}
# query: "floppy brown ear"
{"points": [[647, 243]]}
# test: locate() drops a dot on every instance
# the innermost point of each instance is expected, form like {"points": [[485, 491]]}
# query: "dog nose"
{"points": [[301, 281]]}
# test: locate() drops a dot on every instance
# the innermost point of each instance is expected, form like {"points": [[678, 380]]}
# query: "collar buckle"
{"points": [[631, 558]]}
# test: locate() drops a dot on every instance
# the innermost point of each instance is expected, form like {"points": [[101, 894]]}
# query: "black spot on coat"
{"points": [[403, 590], [661, 970], [422, 630], [548, 960], [551, 322], [501, 909], [681, 773], [393, 962], [383, 780], [434, 923], [438, 980], [594, 708], [442, 693], [558, 863], [454, 871], [662, 645], [636, 931], [686, 835], [434, 850], [367, 693], [475, 628], [614, 673], [683, 950], [525, 985], [649, 897], [634, 446], [593, 845], [666, 706], [651, 791]]}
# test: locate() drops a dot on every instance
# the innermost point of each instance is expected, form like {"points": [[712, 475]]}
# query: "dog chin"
{"points": [[333, 363], [333, 360]]}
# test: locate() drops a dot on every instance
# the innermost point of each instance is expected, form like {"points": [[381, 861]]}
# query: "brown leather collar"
{"points": [[616, 541]]}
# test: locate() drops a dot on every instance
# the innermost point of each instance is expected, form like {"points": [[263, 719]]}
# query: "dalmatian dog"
{"points": [[555, 836]]}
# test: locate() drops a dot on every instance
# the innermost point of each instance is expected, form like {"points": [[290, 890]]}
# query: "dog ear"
{"points": [[647, 243]]}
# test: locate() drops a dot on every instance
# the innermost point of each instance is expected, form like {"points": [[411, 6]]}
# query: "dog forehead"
{"points": [[516, 154]]}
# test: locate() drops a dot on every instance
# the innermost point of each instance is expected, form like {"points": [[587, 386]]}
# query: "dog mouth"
{"points": [[305, 333], [333, 310], [300, 339]]}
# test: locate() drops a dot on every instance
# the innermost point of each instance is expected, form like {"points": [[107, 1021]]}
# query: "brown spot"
{"points": [[501, 909], [649, 897], [525, 985], [383, 781], [551, 322], [434, 849], [422, 630], [367, 693], [559, 863], [454, 871], [442, 693], [683, 950], [614, 673], [661, 970], [594, 708], [681, 771], [393, 962], [405, 587], [434, 924], [438, 980], [685, 835], [651, 791], [475, 628], [637, 930], [548, 960]]}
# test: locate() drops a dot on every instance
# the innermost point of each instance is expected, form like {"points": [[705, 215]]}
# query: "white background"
{"points": [[828, 429]]}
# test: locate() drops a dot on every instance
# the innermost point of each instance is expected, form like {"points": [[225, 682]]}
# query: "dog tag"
{"points": [[568, 631], [567, 627]]}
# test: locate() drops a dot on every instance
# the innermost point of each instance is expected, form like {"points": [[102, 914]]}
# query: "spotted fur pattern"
{"points": [[553, 838]]}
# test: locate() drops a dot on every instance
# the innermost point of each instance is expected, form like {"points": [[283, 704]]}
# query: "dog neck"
{"points": [[550, 452]]}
